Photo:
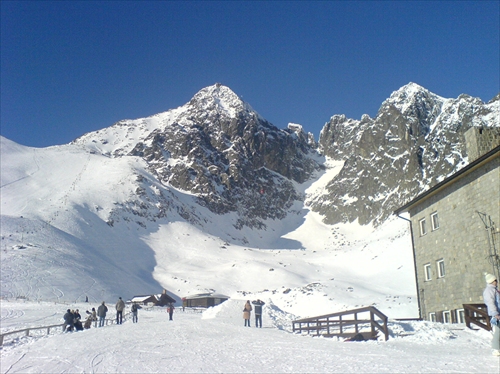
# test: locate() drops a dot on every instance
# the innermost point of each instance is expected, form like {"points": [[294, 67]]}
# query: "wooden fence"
{"points": [[346, 324], [477, 314], [26, 331]]}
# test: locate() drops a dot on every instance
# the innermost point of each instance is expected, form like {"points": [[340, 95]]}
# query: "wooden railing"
{"points": [[477, 314], [346, 324], [27, 330]]}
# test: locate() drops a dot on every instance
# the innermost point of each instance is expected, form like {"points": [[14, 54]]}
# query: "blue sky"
{"points": [[70, 67]]}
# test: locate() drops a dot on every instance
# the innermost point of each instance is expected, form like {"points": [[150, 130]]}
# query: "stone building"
{"points": [[455, 233]]}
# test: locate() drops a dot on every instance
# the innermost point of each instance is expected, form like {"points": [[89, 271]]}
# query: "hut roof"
{"points": [[206, 295], [140, 299]]}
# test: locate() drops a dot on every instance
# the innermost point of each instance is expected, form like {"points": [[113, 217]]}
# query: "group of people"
{"points": [[247, 312], [72, 318], [120, 307]]}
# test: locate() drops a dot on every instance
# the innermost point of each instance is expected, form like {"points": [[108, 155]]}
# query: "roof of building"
{"points": [[487, 157], [140, 299], [205, 295]]}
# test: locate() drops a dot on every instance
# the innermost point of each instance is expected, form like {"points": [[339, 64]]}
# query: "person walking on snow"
{"points": [[135, 309], [170, 311], [101, 313], [491, 298], [247, 311], [120, 306], [258, 312]]}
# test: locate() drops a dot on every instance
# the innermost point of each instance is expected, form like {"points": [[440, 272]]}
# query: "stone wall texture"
{"points": [[480, 141], [461, 240]]}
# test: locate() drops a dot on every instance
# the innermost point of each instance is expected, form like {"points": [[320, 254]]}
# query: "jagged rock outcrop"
{"points": [[219, 149], [415, 141]]}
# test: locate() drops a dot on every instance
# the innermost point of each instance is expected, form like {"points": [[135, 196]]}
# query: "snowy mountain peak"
{"points": [[412, 95], [221, 99]]}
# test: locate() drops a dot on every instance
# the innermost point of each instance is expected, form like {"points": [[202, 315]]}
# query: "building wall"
{"points": [[461, 240], [480, 141]]}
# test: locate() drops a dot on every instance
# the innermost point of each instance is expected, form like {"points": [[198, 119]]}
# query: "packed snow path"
{"points": [[217, 342]]}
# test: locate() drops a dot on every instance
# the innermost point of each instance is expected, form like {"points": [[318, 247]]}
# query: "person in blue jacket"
{"points": [[491, 298], [258, 312]]}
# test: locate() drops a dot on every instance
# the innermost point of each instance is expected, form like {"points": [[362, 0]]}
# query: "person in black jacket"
{"points": [[258, 312], [68, 321], [170, 311], [77, 320]]}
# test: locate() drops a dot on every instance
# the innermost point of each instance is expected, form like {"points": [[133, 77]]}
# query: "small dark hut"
{"points": [[164, 299], [145, 299], [160, 299], [203, 300]]}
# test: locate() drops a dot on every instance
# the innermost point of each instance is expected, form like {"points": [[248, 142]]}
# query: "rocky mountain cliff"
{"points": [[219, 149], [222, 151], [415, 141]]}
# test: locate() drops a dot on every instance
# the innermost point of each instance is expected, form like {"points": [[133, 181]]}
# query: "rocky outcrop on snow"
{"points": [[222, 151], [415, 141], [217, 148]]}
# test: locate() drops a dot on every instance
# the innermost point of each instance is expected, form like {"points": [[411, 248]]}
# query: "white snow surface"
{"points": [[216, 341], [58, 246]]}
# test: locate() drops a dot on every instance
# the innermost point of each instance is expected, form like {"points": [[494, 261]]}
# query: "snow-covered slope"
{"points": [[62, 239], [211, 196]]}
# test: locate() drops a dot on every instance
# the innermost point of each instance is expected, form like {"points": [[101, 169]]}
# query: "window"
{"points": [[427, 272], [440, 268], [446, 316], [423, 227], [460, 316], [434, 221], [432, 317]]}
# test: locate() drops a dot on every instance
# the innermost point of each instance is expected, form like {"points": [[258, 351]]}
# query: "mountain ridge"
{"points": [[213, 180]]}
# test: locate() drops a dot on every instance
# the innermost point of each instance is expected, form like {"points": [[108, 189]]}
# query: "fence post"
{"points": [[372, 322]]}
